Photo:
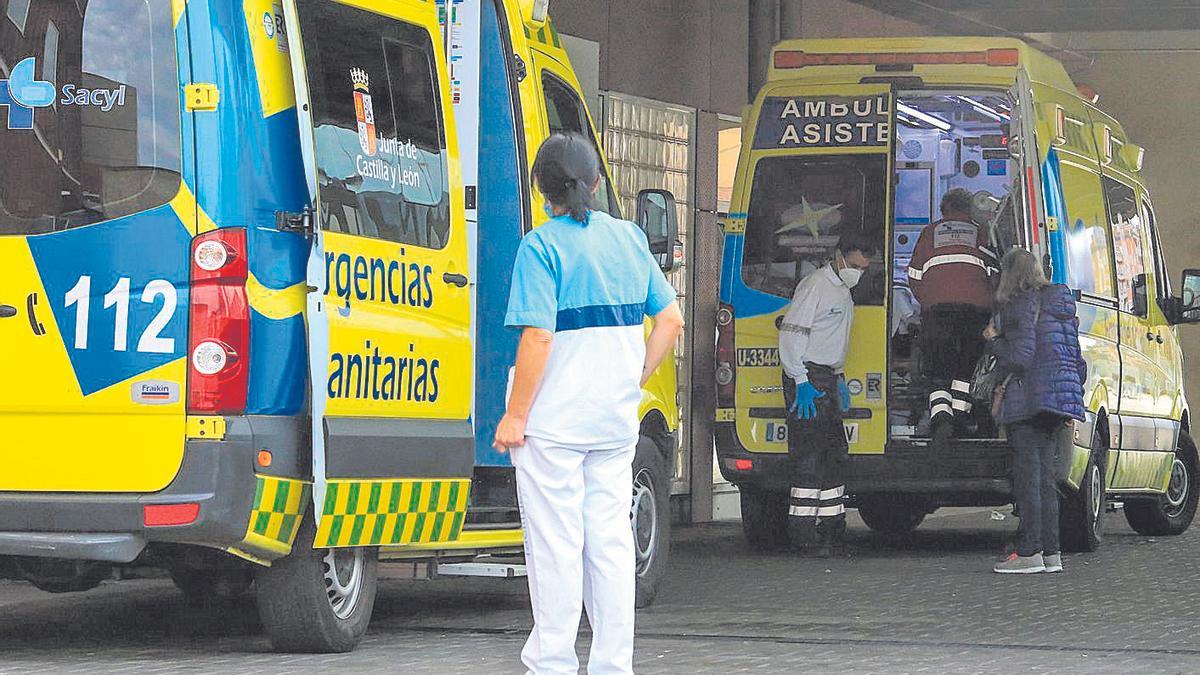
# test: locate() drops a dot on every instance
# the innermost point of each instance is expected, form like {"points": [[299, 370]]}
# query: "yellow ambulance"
{"points": [[866, 135], [255, 253]]}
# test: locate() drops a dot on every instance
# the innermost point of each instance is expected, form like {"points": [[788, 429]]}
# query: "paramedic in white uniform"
{"points": [[814, 337], [583, 284]]}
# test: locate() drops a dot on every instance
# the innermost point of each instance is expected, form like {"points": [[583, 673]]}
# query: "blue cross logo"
{"points": [[21, 93]]}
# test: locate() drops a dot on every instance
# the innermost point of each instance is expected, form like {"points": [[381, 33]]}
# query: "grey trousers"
{"points": [[1034, 483]]}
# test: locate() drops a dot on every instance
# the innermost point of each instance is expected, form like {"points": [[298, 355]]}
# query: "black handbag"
{"points": [[987, 377]]}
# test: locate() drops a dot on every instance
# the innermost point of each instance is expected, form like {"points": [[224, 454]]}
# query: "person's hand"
{"points": [[805, 405], [990, 333], [844, 394], [510, 433]]}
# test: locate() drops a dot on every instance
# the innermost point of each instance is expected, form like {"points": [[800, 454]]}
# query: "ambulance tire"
{"points": [[892, 514], [764, 518], [1171, 513], [317, 601], [650, 517], [1081, 513]]}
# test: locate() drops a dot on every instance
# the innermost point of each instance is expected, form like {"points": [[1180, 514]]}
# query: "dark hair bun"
{"points": [[565, 170]]}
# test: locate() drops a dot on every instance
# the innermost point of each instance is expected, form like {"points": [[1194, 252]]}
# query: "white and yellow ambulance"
{"points": [[866, 135], [255, 256]]}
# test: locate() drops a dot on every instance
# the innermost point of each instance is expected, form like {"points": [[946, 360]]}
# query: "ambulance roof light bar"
{"points": [[924, 117], [792, 58]]}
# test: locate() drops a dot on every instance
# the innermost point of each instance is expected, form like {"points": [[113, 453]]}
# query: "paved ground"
{"points": [[926, 604]]}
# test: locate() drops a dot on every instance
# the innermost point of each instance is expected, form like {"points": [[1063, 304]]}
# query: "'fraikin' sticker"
{"points": [[154, 392]]}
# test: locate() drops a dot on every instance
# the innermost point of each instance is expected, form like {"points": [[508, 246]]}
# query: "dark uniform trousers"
{"points": [[817, 455], [951, 344]]}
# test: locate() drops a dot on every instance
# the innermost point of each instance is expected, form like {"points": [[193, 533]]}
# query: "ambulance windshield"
{"points": [[89, 98]]}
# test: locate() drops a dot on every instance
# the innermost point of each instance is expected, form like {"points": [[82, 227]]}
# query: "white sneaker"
{"points": [[1021, 564], [1053, 562]]}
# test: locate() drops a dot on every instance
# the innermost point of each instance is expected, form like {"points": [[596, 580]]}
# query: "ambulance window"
{"points": [[1162, 276], [565, 114], [96, 136], [18, 12], [1089, 255], [377, 120], [1128, 247], [800, 207]]}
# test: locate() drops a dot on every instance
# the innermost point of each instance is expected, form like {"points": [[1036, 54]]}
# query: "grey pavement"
{"points": [[924, 603]]}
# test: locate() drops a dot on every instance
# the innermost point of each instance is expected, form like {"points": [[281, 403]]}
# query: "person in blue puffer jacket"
{"points": [[1036, 340]]}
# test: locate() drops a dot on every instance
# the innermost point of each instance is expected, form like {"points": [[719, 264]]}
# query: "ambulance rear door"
{"points": [[820, 161], [96, 221], [389, 319]]}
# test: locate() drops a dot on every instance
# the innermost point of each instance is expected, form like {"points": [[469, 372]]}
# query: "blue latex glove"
{"points": [[844, 392], [805, 405]]}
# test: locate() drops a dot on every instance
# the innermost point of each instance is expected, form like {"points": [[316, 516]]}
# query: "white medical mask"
{"points": [[850, 276]]}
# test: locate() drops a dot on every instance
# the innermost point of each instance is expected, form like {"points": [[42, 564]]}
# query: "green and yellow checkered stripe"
{"points": [[275, 517], [546, 35], [390, 512]]}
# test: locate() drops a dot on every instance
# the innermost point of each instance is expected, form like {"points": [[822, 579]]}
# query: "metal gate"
{"points": [[650, 144]]}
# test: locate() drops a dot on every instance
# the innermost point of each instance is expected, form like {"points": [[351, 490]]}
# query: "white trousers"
{"points": [[578, 553]]}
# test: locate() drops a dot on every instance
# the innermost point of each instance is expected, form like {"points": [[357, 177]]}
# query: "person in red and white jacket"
{"points": [[951, 274]]}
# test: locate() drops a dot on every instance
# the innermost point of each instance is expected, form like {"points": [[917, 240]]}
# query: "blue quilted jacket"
{"points": [[1047, 366]]}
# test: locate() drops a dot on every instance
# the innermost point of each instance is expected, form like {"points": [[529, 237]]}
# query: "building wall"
{"points": [[686, 52], [841, 18]]}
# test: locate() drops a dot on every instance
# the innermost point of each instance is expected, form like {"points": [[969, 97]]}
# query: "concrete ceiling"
{"points": [[998, 17]]}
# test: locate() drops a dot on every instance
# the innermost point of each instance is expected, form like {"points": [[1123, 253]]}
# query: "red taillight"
{"points": [[1003, 57], [743, 464], [726, 358], [219, 337], [992, 57], [166, 515]]}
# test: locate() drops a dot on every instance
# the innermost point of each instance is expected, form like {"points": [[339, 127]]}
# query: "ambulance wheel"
{"points": [[764, 518], [892, 514], [317, 601], [1080, 514], [650, 516], [1171, 513]]}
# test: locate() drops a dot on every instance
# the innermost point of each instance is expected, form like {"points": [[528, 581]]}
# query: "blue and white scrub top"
{"points": [[591, 285]]}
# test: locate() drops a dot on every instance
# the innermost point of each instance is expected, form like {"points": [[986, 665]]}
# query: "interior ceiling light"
{"points": [[924, 117], [981, 108]]}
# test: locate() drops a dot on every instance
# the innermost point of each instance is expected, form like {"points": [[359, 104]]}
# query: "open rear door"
{"points": [[389, 315], [821, 163], [1023, 144]]}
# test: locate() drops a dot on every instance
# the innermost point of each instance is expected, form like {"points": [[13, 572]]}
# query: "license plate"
{"points": [[752, 357]]}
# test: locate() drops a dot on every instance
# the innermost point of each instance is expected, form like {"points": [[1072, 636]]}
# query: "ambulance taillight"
{"points": [[219, 324], [726, 358]]}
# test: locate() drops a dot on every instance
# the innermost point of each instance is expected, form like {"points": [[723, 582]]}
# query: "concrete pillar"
{"points": [[705, 255], [764, 33], [790, 19]]}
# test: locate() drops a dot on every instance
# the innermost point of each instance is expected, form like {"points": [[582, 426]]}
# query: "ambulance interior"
{"points": [[945, 140]]}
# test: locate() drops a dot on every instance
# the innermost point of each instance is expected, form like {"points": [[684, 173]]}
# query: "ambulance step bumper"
{"points": [[115, 548]]}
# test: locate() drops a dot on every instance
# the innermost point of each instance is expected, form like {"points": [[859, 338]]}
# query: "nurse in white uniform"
{"points": [[583, 284]]}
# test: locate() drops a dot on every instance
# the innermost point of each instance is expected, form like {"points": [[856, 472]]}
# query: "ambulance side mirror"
{"points": [[1187, 307], [658, 217]]}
